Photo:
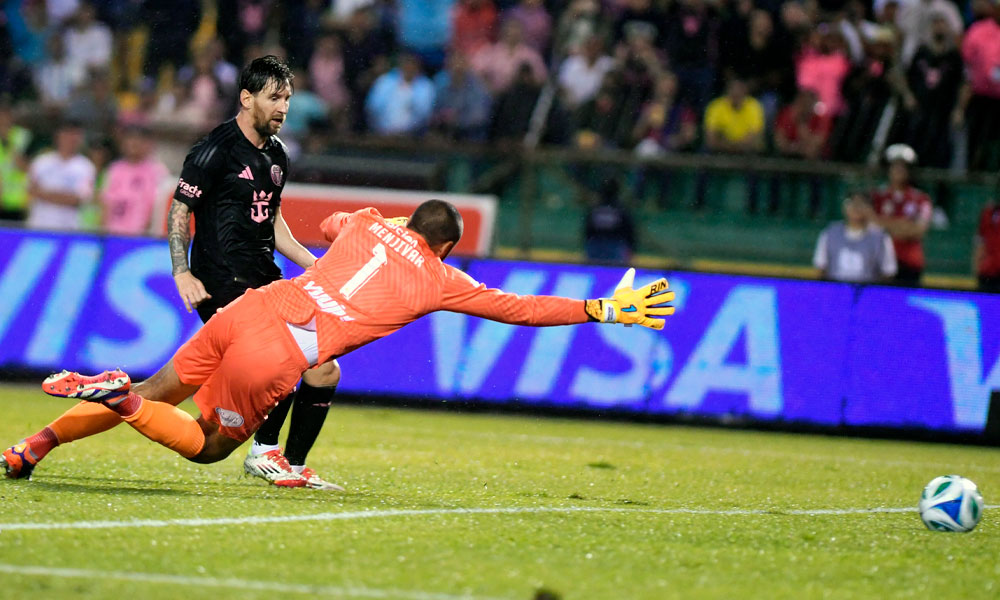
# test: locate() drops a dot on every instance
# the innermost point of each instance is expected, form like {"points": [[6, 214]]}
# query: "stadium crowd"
{"points": [[803, 79]]}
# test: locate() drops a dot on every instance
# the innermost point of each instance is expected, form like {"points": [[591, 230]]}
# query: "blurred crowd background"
{"points": [[121, 88]]}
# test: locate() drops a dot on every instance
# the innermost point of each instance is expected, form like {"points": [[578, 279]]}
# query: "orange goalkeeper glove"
{"points": [[630, 307]]}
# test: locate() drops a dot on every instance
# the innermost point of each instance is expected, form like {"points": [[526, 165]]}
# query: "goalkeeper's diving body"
{"points": [[377, 276]]}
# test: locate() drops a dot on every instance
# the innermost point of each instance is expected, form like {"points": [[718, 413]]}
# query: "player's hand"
{"points": [[401, 221], [191, 289], [634, 307]]}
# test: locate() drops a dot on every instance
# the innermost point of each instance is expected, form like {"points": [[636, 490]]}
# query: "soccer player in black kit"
{"points": [[232, 181]]}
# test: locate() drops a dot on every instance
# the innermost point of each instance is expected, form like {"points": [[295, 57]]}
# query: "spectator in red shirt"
{"points": [[979, 99], [803, 127], [905, 212], [801, 131], [473, 26], [986, 251]]}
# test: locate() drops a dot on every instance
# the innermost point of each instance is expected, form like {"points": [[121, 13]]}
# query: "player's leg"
{"points": [[18, 461], [266, 459], [312, 403], [266, 438], [198, 440], [236, 366], [196, 359], [82, 420], [161, 422], [216, 446], [91, 418], [260, 366]]}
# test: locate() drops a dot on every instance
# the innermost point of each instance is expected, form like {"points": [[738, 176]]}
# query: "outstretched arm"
{"points": [[190, 288], [628, 306], [465, 295]]}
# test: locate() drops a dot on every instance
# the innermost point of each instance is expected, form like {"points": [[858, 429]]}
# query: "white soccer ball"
{"points": [[951, 503]]}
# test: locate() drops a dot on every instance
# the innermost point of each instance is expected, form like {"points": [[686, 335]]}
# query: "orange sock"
{"points": [[167, 425], [83, 420]]}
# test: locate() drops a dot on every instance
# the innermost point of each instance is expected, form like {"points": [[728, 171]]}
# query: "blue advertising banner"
{"points": [[762, 349]]}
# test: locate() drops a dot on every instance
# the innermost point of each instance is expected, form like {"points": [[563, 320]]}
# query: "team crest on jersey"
{"points": [[276, 174], [229, 418], [259, 209]]}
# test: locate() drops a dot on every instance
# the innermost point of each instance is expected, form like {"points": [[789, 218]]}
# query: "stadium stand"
{"points": [[586, 91]]}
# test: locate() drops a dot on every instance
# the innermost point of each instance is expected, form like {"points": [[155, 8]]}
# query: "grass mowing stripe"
{"points": [[233, 583], [664, 445], [373, 514]]}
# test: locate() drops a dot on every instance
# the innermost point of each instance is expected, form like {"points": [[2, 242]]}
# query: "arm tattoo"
{"points": [[179, 236]]}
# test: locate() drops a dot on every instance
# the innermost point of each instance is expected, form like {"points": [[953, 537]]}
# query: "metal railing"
{"points": [[517, 175]]}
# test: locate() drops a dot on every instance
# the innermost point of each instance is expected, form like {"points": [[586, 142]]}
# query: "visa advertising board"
{"points": [[770, 350]]}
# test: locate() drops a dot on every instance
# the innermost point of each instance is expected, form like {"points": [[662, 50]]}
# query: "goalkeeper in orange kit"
{"points": [[377, 276]]}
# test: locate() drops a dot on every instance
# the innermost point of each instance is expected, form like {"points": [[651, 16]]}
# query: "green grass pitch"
{"points": [[586, 509]]}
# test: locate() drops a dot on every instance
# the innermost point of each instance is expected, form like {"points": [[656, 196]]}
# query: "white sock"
{"points": [[257, 448], [298, 468]]}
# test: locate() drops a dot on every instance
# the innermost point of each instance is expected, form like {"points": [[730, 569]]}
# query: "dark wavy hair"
{"points": [[264, 70]]}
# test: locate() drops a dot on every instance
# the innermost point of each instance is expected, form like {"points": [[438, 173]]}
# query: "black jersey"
{"points": [[234, 190]]}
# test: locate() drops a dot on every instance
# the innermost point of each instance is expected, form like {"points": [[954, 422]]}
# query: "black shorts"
{"points": [[223, 291]]}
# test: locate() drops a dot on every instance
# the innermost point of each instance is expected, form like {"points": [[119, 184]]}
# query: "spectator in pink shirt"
{"points": [[822, 67], [498, 64], [132, 185], [535, 23], [326, 72], [979, 99], [473, 26]]}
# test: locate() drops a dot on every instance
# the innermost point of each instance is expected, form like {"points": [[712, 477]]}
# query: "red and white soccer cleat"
{"points": [[18, 461], [273, 467], [106, 386], [316, 482]]}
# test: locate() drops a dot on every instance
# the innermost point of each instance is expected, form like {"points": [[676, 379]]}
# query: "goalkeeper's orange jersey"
{"points": [[376, 277]]}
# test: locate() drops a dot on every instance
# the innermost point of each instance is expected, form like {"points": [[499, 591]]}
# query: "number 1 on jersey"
{"points": [[365, 273]]}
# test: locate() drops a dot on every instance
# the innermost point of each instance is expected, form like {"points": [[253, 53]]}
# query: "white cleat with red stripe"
{"points": [[316, 482], [273, 467]]}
